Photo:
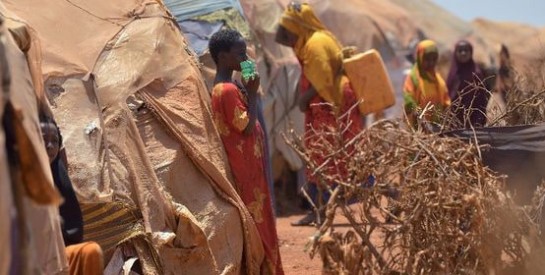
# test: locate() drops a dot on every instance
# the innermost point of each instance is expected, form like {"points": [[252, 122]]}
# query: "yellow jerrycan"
{"points": [[370, 81]]}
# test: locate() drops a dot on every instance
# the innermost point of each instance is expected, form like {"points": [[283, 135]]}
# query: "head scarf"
{"points": [[426, 85], [301, 20], [471, 102], [318, 51], [461, 74], [423, 48]]}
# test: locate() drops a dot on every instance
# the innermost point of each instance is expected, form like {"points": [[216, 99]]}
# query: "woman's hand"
{"points": [[251, 85]]}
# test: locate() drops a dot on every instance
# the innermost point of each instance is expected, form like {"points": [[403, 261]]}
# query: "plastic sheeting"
{"points": [[104, 55], [186, 9], [198, 33], [200, 29], [6, 201], [517, 151], [43, 247]]}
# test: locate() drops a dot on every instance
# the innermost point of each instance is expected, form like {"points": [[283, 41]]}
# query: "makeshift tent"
{"points": [[145, 158], [187, 9], [31, 237], [6, 203], [525, 42]]}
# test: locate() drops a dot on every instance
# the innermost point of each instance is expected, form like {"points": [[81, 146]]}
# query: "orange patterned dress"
{"points": [[245, 154]]}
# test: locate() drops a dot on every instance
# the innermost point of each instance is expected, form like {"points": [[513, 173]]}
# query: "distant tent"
{"points": [[187, 9]]}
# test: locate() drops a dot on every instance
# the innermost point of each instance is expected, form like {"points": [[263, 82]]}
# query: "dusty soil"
{"points": [[293, 240], [292, 244]]}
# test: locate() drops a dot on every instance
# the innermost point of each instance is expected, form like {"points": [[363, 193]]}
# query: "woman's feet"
{"points": [[310, 219]]}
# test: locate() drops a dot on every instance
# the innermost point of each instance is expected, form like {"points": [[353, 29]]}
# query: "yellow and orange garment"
{"points": [[245, 154], [320, 56], [422, 87]]}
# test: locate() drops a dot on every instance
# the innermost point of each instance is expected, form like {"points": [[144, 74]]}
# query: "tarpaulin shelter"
{"points": [[515, 151], [146, 160], [30, 235], [187, 9], [525, 42]]}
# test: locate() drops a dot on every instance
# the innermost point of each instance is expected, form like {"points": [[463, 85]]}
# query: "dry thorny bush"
{"points": [[517, 99], [433, 207]]}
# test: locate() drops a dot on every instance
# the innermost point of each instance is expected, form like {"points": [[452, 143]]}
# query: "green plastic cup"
{"points": [[248, 69]]}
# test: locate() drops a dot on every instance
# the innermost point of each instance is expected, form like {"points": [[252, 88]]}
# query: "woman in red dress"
{"points": [[327, 98]]}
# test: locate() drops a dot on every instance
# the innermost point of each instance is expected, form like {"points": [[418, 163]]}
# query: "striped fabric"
{"points": [[110, 224]]}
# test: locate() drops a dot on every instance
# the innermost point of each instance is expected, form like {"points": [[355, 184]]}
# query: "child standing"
{"points": [[84, 258], [234, 107]]}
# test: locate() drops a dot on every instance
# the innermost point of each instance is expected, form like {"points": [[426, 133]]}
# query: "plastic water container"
{"points": [[370, 81]]}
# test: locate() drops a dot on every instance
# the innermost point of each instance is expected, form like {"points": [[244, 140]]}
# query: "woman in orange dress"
{"points": [[424, 85]]}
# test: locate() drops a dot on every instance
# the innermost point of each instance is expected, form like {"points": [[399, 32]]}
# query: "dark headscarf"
{"points": [[461, 76]]}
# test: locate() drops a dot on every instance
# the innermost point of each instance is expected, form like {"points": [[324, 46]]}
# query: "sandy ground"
{"points": [[292, 244], [294, 238]]}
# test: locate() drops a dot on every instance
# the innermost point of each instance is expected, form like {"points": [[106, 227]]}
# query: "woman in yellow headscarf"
{"points": [[424, 85], [326, 93]]}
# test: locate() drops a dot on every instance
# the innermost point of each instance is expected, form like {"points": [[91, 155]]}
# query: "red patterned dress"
{"points": [[245, 154], [321, 118]]}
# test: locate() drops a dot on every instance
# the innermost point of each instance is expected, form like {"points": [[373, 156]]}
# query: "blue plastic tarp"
{"points": [[187, 9], [198, 33]]}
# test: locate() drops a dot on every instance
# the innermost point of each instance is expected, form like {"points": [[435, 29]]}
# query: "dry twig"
{"points": [[447, 213]]}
